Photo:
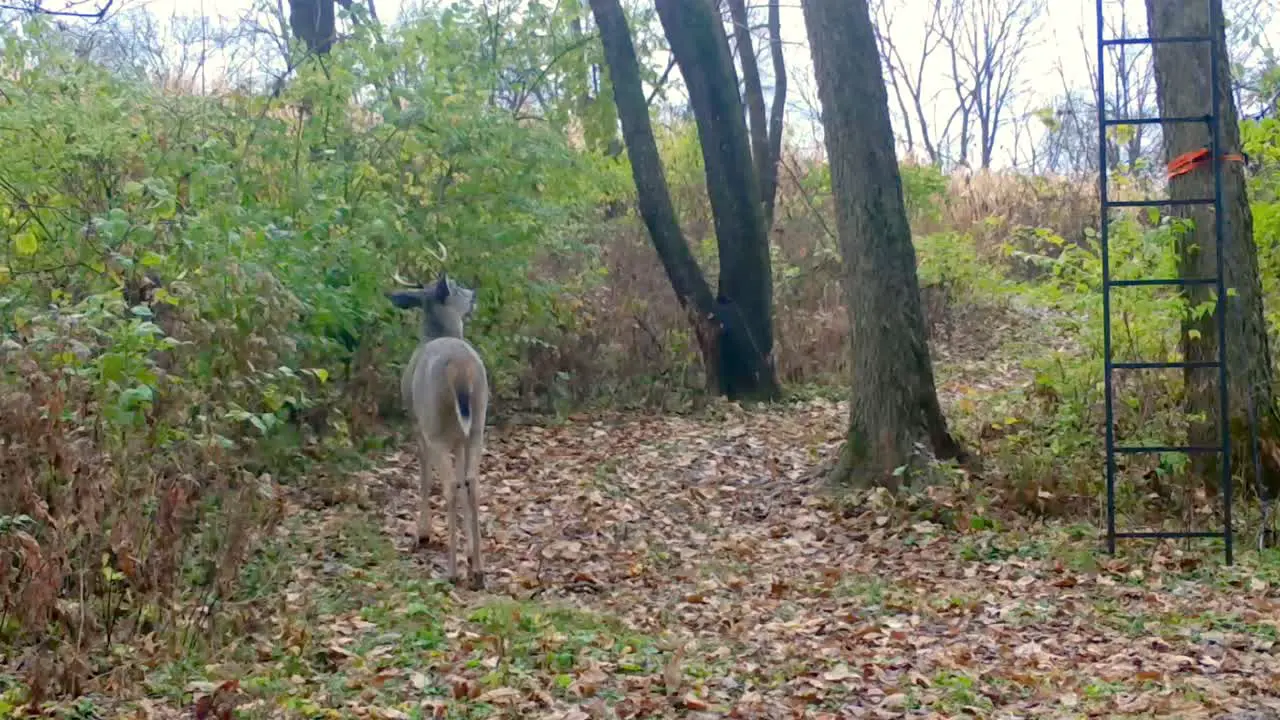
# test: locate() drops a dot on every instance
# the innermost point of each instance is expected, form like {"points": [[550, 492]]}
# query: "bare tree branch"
{"points": [[662, 81], [95, 10]]}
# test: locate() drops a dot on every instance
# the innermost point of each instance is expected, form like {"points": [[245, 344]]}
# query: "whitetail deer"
{"points": [[446, 388]]}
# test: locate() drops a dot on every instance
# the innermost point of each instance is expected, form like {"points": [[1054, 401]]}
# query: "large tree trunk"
{"points": [[894, 403], [1182, 73], [745, 307], [653, 197], [312, 22]]}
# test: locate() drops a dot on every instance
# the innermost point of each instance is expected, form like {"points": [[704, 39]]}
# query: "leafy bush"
{"points": [[1050, 441], [1262, 143], [192, 290]]}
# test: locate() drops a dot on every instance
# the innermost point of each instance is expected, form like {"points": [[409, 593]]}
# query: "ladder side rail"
{"points": [[1105, 222]]}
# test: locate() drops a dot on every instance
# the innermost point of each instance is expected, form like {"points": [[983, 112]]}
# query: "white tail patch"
{"points": [[464, 414], [461, 376]]}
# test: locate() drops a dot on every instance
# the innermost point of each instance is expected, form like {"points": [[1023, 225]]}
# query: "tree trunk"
{"points": [[701, 49], [894, 403], [776, 111], [312, 22], [653, 197], [1182, 74], [754, 96]]}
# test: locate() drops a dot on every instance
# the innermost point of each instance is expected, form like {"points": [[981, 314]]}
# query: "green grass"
{"points": [[354, 625], [959, 693]]}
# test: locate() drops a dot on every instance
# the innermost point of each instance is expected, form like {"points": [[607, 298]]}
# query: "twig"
{"points": [[276, 90], [795, 179], [662, 81], [51, 268], [542, 74], [36, 7]]}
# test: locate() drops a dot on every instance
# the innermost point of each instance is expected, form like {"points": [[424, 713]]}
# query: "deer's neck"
{"points": [[433, 328]]}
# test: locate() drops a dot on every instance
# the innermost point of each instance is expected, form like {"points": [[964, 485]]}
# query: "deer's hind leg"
{"points": [[449, 485], [468, 479], [425, 462]]}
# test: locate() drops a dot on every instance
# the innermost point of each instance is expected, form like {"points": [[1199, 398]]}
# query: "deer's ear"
{"points": [[441, 290], [406, 299]]}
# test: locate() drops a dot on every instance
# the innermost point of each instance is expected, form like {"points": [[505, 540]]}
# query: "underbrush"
{"points": [[192, 315], [1041, 437]]}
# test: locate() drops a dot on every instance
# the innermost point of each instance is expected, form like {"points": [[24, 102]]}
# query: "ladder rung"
{"points": [[1196, 365], [1156, 203], [1171, 535], [1157, 121], [1154, 40], [1163, 281], [1188, 449]]}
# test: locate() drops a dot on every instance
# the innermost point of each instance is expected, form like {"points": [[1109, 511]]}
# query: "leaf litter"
{"points": [[644, 566]]}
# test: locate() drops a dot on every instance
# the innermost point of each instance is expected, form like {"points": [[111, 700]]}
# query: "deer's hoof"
{"points": [[422, 533]]}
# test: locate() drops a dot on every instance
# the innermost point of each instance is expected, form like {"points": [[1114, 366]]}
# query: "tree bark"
{"points": [[754, 95], [894, 402], [776, 111], [313, 22], [701, 49], [653, 196], [1182, 74]]}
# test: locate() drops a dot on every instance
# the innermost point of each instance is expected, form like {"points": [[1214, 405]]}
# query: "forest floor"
{"points": [[645, 567]]}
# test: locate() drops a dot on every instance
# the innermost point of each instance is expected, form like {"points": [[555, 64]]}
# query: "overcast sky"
{"points": [[1058, 50]]}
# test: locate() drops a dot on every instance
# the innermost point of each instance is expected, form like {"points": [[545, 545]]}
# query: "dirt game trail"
{"points": [[763, 595]]}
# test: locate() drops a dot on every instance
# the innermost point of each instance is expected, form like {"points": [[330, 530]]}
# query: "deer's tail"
{"points": [[462, 381]]}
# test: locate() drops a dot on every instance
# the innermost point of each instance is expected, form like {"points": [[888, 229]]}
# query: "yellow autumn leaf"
{"points": [[25, 243]]}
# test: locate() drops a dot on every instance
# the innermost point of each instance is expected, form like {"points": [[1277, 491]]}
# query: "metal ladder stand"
{"points": [[1218, 281]]}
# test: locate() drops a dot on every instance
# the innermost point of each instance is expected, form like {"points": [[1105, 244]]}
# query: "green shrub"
{"points": [[192, 295]]}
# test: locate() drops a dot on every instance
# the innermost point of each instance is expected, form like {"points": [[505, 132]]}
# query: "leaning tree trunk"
{"points": [[894, 403], [1182, 73], [754, 95], [653, 197], [745, 306]]}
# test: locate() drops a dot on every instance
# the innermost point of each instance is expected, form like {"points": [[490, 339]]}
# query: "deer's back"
{"points": [[427, 392]]}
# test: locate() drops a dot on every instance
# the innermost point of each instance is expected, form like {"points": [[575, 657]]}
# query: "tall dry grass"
{"points": [[991, 206], [631, 342]]}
